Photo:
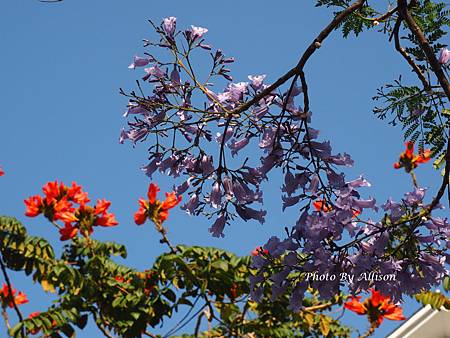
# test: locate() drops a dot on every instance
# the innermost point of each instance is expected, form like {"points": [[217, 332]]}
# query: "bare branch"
{"points": [[11, 297], [406, 56], [304, 58]]}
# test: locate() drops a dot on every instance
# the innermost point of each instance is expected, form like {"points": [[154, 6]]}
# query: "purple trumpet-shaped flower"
{"points": [[247, 213], [153, 71], [335, 180], [260, 111], [123, 136], [257, 81], [444, 56], [244, 194], [215, 198], [359, 182], [136, 110], [137, 134], [169, 25], [224, 97], [365, 204], [340, 159], [270, 161], [150, 168], [415, 197], [197, 32], [191, 204], [175, 77], [237, 91], [296, 90], [295, 301], [313, 133], [235, 146], [321, 149], [314, 184], [267, 138], [290, 184], [140, 62], [228, 135], [182, 188], [290, 201], [206, 165], [228, 187], [217, 228]]}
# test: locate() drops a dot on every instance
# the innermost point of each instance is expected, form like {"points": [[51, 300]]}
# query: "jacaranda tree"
{"points": [[202, 128]]}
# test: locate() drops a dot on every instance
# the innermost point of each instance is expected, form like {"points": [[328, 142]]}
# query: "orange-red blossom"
{"points": [[58, 205], [376, 307], [321, 205], [259, 251], [153, 209], [6, 294], [409, 160]]}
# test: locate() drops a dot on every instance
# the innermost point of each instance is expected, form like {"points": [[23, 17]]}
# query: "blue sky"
{"points": [[63, 64]]}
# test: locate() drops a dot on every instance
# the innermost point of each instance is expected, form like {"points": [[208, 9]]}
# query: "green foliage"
{"points": [[435, 299], [354, 23], [432, 18], [88, 282], [420, 113]]}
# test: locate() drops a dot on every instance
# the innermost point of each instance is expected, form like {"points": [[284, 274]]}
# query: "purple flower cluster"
{"points": [[404, 253], [200, 134]]}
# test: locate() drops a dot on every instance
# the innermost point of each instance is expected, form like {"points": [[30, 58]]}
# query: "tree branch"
{"points": [[406, 56], [442, 78], [316, 44], [425, 45], [11, 297]]}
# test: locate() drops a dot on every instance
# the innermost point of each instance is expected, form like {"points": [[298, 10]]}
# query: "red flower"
{"points": [[106, 220], [321, 205], [76, 194], [409, 160], [6, 295], [171, 201], [2, 172], [102, 206], [154, 209], [62, 206], [53, 191], [141, 215], [153, 190], [68, 232], [377, 307], [66, 216], [259, 251], [34, 314], [33, 205], [58, 205]]}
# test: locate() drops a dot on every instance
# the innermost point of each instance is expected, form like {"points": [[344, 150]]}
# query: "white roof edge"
{"points": [[417, 320]]}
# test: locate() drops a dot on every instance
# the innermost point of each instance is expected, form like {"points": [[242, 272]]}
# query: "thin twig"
{"points": [[6, 319], [318, 307], [304, 58], [165, 239], [11, 297], [406, 56], [197, 325]]}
